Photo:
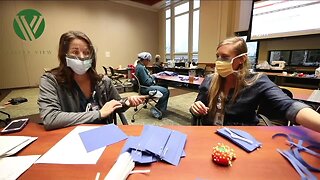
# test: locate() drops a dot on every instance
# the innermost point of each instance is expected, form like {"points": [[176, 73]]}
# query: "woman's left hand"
{"points": [[135, 100]]}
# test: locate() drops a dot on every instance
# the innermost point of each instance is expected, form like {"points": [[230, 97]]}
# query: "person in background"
{"points": [[146, 79], [157, 66], [73, 93], [157, 60], [232, 95]]}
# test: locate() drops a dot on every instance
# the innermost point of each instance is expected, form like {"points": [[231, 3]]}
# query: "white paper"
{"points": [[8, 143], [13, 167], [70, 150], [122, 168], [21, 146], [315, 96]]}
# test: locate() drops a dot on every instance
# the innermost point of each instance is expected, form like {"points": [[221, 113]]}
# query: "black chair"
{"points": [[122, 118], [147, 101], [270, 116], [112, 75], [196, 121]]}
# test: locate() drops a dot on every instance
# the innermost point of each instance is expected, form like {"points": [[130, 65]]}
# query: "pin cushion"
{"points": [[223, 155]]}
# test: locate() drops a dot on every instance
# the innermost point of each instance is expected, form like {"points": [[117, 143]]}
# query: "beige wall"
{"points": [[162, 34], [216, 23], [119, 29]]}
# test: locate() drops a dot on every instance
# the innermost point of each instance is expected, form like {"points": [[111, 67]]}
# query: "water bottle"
{"points": [[186, 64], [317, 72]]}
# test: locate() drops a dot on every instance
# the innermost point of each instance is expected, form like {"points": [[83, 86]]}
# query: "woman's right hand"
{"points": [[198, 108], [109, 107]]}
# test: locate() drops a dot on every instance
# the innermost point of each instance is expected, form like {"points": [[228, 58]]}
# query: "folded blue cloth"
{"points": [[155, 144], [167, 73], [241, 138]]}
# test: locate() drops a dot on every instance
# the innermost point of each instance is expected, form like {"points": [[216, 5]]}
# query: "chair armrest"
{"points": [[265, 120]]}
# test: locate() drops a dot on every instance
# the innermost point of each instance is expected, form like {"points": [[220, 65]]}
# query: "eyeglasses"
{"points": [[80, 54], [81, 58], [219, 58]]}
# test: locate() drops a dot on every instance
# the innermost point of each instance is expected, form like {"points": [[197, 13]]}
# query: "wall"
{"points": [[242, 15], [162, 34], [122, 30], [216, 23]]}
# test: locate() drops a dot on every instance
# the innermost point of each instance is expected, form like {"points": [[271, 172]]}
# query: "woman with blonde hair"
{"points": [[232, 94]]}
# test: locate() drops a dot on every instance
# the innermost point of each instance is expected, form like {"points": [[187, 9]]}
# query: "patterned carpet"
{"points": [[23, 109], [178, 107]]}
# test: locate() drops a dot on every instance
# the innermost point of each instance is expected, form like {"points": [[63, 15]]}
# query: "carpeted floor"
{"points": [[23, 109], [177, 114]]}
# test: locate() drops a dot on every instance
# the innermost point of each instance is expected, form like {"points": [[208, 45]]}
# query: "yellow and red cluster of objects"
{"points": [[223, 155]]}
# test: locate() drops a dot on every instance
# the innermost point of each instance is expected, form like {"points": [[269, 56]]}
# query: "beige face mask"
{"points": [[224, 66]]}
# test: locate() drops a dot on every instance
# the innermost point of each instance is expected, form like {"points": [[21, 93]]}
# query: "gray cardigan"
{"points": [[60, 107]]}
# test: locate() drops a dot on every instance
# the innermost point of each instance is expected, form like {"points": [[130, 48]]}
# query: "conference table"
{"points": [[179, 70], [264, 163], [298, 93], [125, 71], [306, 96], [180, 79]]}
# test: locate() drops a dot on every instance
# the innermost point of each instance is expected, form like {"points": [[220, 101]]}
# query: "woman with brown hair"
{"points": [[73, 93], [232, 94]]}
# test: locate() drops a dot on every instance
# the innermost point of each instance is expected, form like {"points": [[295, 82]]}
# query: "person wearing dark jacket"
{"points": [[73, 93], [232, 94]]}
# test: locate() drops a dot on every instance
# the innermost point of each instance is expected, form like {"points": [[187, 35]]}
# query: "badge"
{"points": [[218, 119]]}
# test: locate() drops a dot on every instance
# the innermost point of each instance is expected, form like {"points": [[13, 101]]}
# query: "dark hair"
{"points": [[63, 73]]}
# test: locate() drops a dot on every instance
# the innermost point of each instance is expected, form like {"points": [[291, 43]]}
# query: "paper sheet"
{"points": [[8, 143], [70, 150], [21, 146], [13, 167]]}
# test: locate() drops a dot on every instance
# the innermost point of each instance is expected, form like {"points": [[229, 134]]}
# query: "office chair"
{"points": [[121, 116], [112, 75], [196, 121], [152, 96], [115, 76], [270, 116]]}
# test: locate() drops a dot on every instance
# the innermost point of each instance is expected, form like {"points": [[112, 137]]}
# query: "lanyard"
{"points": [[294, 157]]}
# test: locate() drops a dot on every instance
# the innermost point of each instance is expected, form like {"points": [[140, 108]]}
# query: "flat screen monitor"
{"points": [[278, 19]]}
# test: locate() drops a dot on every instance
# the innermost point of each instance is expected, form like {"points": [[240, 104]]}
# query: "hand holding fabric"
{"points": [[109, 107]]}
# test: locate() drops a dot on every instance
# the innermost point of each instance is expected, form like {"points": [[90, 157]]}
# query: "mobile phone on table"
{"points": [[15, 125]]}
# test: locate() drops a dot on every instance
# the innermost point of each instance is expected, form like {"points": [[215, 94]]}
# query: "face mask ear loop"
{"points": [[240, 55]]}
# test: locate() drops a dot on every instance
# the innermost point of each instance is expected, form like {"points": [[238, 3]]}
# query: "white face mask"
{"points": [[78, 66]]}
